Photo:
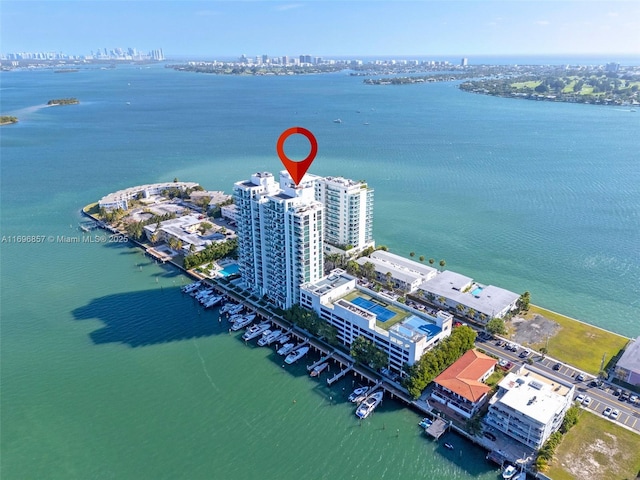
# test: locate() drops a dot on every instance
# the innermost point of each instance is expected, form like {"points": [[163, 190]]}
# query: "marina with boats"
{"points": [[295, 344]]}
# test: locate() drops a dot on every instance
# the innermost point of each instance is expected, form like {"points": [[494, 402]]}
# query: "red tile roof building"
{"points": [[460, 387]]}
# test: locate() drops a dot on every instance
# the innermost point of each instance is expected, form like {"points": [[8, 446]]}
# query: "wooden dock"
{"points": [[339, 375]]}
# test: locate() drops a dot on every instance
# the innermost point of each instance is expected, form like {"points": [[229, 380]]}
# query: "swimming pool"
{"points": [[476, 291], [229, 270], [382, 313]]}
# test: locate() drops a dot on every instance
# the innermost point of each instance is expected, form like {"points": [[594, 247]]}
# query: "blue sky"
{"points": [[212, 29]]}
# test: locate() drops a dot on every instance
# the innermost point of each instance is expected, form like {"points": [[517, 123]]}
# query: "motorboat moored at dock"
{"points": [[369, 404], [255, 330], [297, 354], [268, 339], [359, 394], [286, 348], [318, 369], [242, 322]]}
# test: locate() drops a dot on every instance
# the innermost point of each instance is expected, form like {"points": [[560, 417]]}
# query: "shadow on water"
{"points": [[149, 317]]}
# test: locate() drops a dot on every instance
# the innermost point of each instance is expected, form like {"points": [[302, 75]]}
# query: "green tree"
{"points": [[442, 263], [421, 258], [353, 268], [369, 270], [496, 326], [366, 353], [412, 254], [432, 261], [523, 302]]}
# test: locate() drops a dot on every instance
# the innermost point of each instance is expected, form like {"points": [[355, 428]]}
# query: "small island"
{"points": [[8, 120], [63, 101]]}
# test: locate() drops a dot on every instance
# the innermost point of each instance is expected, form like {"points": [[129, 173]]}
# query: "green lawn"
{"points": [[400, 315], [530, 84], [579, 344], [596, 449]]}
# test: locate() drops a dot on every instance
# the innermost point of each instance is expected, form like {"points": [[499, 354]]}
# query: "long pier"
{"points": [[339, 375]]}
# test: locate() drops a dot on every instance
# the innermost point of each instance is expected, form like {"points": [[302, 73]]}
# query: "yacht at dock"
{"points": [[369, 404], [297, 354]]}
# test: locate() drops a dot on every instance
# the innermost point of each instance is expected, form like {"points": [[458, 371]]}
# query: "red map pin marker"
{"points": [[297, 169]]}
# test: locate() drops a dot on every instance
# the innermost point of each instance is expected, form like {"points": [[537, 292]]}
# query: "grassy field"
{"points": [[531, 84], [577, 343], [596, 449]]}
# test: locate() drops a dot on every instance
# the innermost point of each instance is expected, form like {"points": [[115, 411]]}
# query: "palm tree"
{"points": [[389, 283], [432, 261], [421, 258], [442, 263], [471, 313], [412, 254]]}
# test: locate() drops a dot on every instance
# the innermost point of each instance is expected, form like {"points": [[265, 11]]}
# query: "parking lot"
{"points": [[602, 395]]}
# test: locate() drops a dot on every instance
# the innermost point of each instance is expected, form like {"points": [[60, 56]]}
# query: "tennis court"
{"points": [[382, 313]]}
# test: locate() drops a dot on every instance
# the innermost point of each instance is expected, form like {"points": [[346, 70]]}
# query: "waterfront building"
{"points": [[529, 405], [464, 62], [628, 367], [348, 212], [183, 229], [230, 213], [461, 386], [403, 333], [280, 231], [476, 301], [216, 197], [404, 274], [121, 198]]}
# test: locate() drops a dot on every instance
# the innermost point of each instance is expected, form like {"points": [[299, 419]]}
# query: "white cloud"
{"points": [[543, 23]]}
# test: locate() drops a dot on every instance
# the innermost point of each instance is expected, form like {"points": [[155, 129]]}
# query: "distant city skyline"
{"points": [[214, 29]]}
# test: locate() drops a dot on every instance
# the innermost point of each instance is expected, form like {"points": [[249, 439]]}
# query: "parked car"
{"points": [[623, 397], [607, 411], [580, 377], [490, 436], [525, 354], [580, 398], [587, 401], [633, 399], [556, 367], [615, 414], [617, 392]]}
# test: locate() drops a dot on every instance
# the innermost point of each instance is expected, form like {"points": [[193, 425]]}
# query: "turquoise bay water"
{"points": [[109, 372]]}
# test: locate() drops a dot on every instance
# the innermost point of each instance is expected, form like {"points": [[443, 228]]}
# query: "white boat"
{"points": [[448, 446], [369, 404], [337, 120], [286, 348], [235, 309], [359, 394], [318, 369], [191, 287], [270, 338], [296, 355], [255, 330], [236, 317], [227, 306], [215, 300], [241, 323], [203, 293], [509, 472], [284, 338]]}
